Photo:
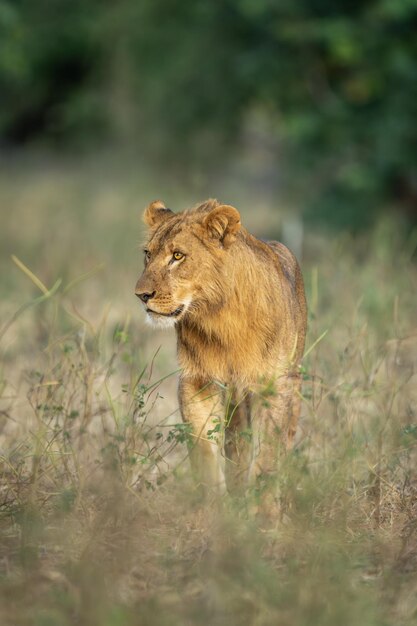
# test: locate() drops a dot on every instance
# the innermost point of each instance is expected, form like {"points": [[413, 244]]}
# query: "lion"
{"points": [[239, 311]]}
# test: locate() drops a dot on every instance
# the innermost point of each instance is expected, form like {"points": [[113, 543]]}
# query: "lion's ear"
{"points": [[156, 213], [223, 223]]}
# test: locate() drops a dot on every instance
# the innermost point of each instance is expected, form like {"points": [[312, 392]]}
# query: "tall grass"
{"points": [[100, 523]]}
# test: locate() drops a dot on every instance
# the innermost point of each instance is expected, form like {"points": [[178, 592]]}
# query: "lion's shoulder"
{"points": [[287, 261]]}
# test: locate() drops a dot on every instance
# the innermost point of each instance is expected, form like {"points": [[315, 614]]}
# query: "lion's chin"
{"points": [[158, 321], [165, 320]]}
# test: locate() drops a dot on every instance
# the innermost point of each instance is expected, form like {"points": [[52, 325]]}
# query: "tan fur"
{"points": [[239, 312]]}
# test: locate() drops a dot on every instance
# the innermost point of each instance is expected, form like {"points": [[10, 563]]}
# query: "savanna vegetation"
{"points": [[99, 519], [302, 115]]}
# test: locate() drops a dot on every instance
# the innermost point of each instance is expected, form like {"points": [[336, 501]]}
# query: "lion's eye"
{"points": [[177, 256]]}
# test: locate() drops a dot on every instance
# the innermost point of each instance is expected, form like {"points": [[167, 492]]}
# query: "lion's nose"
{"points": [[145, 296]]}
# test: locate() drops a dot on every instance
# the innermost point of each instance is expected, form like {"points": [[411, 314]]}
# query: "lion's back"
{"points": [[293, 276]]}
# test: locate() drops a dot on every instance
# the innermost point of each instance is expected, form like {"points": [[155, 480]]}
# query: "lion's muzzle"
{"points": [[144, 290]]}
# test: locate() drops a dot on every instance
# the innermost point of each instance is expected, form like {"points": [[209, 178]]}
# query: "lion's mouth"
{"points": [[173, 314]]}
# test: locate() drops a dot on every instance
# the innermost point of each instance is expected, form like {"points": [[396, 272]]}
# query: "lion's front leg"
{"points": [[238, 442], [202, 407], [275, 416]]}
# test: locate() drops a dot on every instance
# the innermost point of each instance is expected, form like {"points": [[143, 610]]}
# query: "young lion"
{"points": [[239, 311]]}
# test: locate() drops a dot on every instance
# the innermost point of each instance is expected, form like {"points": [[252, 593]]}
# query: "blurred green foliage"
{"points": [[337, 82]]}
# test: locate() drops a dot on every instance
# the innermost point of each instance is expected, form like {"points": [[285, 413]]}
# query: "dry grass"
{"points": [[99, 520]]}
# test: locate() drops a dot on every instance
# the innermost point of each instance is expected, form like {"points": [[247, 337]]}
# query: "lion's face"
{"points": [[183, 261], [167, 286]]}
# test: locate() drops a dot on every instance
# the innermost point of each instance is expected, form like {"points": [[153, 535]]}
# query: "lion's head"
{"points": [[185, 259]]}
